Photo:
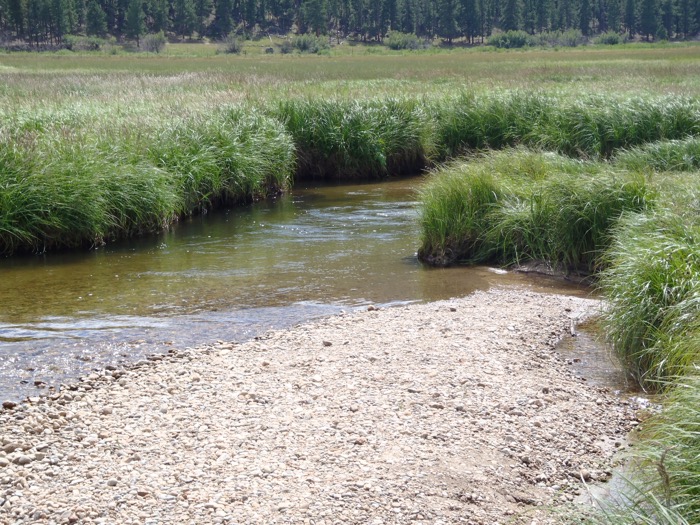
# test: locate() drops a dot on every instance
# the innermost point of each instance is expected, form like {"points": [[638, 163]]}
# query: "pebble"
{"points": [[429, 413]]}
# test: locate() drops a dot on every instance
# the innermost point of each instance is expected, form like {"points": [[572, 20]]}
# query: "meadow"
{"points": [[586, 158]]}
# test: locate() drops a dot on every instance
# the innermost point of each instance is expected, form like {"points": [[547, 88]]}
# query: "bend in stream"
{"points": [[228, 275]]}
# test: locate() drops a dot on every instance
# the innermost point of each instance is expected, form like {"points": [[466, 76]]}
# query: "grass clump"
{"points": [[233, 156], [397, 40], [590, 127], [672, 155], [62, 191], [665, 488], [516, 206], [652, 285], [347, 139]]}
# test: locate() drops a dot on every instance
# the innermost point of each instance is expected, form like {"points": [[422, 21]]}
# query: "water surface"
{"points": [[222, 276]]}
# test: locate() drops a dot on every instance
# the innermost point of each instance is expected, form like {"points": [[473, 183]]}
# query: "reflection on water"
{"points": [[226, 275]]}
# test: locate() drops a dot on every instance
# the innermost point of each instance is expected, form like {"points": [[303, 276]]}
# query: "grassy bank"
{"points": [[515, 206], [80, 176], [83, 189]]}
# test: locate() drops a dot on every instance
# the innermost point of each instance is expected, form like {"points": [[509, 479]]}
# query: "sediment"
{"points": [[457, 411]]}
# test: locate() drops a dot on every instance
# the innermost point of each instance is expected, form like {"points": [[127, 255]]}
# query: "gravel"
{"points": [[458, 411]]}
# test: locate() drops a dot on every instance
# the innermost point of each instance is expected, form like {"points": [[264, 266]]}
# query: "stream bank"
{"points": [[457, 411]]}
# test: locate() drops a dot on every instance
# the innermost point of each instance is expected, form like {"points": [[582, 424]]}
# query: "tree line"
{"points": [[49, 21]]}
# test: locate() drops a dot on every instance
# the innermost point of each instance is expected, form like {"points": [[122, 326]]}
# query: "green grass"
{"points": [[516, 206], [665, 485], [344, 139], [588, 127], [672, 155], [83, 190], [652, 285]]}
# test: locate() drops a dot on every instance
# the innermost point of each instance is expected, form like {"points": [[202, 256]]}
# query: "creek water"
{"points": [[227, 275]]}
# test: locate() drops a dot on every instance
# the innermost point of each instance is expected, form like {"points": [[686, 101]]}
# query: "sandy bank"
{"points": [[451, 412]]}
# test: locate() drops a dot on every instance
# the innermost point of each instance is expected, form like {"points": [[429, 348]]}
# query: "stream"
{"points": [[228, 275]]}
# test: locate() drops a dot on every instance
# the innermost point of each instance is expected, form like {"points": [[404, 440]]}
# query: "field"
{"points": [[596, 173]]}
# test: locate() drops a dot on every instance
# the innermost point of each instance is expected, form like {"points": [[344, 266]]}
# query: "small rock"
{"points": [[8, 405], [327, 343], [112, 482], [371, 308], [106, 411], [22, 460], [4, 462]]}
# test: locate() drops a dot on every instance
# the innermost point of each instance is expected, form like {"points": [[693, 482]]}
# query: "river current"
{"points": [[228, 275]]}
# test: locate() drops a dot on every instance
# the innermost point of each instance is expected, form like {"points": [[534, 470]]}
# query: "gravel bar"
{"points": [[458, 411]]}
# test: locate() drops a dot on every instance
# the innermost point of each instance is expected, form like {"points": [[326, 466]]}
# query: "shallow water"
{"points": [[228, 275]]}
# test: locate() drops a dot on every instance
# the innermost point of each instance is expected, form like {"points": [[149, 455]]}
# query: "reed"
{"points": [[652, 285], [76, 189], [664, 487], [586, 126], [515, 206], [357, 139], [672, 155]]}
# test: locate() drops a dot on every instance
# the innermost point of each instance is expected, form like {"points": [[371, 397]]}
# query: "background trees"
{"points": [[48, 21]]}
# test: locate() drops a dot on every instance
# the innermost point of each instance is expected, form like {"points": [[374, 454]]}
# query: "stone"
{"points": [[22, 459]]}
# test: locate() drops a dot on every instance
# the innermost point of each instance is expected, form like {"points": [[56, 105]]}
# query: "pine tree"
{"points": [[158, 13], [203, 10], [390, 13], [686, 18], [447, 20], [648, 21], [37, 21], [585, 17], [222, 24], [313, 13], [15, 11], [469, 19], [408, 21], [528, 18], [134, 24], [667, 16], [184, 18], [630, 17], [95, 20], [542, 8], [511, 15], [614, 15]]}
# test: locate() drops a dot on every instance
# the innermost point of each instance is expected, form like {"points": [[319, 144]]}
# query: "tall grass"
{"points": [[652, 285], [358, 139], [516, 206], [587, 127], [672, 155], [665, 487], [74, 190]]}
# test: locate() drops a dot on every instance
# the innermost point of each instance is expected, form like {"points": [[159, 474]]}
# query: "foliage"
{"points": [[310, 43], [231, 45], [69, 191], [672, 155], [652, 287], [358, 139], [41, 22], [154, 43], [83, 43], [397, 40], [611, 38], [516, 206], [511, 40], [593, 126]]}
